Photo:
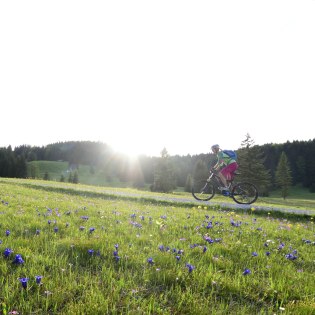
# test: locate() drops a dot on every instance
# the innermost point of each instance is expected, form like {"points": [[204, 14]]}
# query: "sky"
{"points": [[146, 75]]}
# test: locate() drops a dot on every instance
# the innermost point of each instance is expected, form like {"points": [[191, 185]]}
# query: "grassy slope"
{"points": [[299, 198], [75, 282], [57, 168]]}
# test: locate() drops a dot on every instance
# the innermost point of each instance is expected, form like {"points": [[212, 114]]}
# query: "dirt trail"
{"points": [[231, 204]]}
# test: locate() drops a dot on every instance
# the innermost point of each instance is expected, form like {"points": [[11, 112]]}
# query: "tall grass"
{"points": [[102, 256]]}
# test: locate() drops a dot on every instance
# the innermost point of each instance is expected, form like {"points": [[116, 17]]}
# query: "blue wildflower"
{"points": [[92, 229], [246, 272], [18, 260], [281, 246], [115, 253], [116, 246], [37, 232], [290, 256], [254, 254], [7, 232], [56, 229], [150, 261], [24, 282], [91, 251], [190, 267], [268, 253], [177, 257], [7, 252], [38, 279], [204, 249], [209, 226]]}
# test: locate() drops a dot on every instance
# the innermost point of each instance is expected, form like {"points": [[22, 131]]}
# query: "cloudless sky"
{"points": [[144, 75]]}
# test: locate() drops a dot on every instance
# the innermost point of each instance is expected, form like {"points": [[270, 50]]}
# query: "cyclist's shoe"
{"points": [[222, 188], [225, 192]]}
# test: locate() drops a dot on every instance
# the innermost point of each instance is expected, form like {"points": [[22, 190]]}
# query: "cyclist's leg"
{"points": [[227, 173], [222, 178]]}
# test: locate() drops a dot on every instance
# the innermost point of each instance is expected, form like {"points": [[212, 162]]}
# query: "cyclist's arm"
{"points": [[218, 165]]}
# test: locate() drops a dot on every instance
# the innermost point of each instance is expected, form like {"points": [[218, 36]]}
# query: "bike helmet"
{"points": [[215, 147]]}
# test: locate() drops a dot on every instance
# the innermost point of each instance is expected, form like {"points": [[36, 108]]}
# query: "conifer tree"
{"points": [[164, 178], [75, 178], [283, 175], [200, 170], [188, 184], [70, 179], [251, 166]]}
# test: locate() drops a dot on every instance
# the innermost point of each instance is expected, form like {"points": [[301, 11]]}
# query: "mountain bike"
{"points": [[242, 193]]}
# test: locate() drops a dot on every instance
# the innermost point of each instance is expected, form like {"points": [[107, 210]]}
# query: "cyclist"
{"points": [[225, 165]]}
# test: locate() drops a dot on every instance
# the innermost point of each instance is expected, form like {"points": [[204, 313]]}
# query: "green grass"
{"points": [[56, 169], [76, 282]]}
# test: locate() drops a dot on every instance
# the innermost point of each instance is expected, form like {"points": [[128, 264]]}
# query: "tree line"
{"points": [[258, 164]]}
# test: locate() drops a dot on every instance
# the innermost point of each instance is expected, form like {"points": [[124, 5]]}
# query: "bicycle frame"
{"points": [[216, 180]]}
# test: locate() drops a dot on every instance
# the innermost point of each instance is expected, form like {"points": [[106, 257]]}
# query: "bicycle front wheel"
{"points": [[202, 190], [244, 193]]}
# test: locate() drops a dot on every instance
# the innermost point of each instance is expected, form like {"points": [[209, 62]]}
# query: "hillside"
{"points": [[57, 169]]}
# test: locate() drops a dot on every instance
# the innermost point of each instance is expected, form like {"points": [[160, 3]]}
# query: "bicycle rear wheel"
{"points": [[244, 193], [202, 190]]}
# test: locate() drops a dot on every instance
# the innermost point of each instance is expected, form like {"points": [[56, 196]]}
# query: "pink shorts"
{"points": [[228, 171]]}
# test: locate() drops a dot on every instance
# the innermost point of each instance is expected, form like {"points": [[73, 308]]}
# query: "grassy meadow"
{"points": [[72, 249]]}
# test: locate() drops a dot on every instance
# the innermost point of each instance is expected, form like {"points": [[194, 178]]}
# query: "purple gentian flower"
{"points": [[290, 256], [150, 261], [7, 252], [190, 267], [92, 229], [18, 260], [38, 279], [254, 254], [56, 229], [246, 272], [7, 232], [91, 251], [24, 282]]}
